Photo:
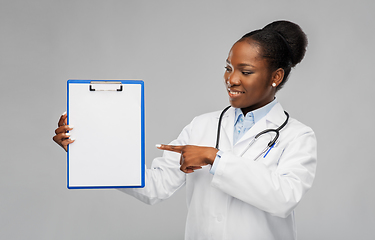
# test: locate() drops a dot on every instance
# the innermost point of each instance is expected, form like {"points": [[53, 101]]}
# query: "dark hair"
{"points": [[282, 43]]}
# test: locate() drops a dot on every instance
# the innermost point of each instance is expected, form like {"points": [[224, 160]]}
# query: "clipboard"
{"points": [[109, 132]]}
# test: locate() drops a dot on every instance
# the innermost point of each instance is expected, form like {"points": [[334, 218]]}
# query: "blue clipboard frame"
{"points": [[141, 83]]}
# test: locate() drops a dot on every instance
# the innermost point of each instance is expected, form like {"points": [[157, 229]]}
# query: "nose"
{"points": [[232, 80]]}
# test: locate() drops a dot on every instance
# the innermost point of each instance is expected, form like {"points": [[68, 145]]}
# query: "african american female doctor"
{"points": [[243, 189]]}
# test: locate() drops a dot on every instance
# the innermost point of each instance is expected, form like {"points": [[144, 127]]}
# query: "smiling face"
{"points": [[248, 78]]}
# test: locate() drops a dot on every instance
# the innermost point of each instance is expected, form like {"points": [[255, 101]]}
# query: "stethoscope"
{"points": [[269, 146]]}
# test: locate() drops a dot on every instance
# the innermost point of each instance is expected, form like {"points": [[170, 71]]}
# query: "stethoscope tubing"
{"points": [[219, 126]]}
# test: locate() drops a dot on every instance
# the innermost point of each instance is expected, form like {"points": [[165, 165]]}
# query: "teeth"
{"points": [[235, 93]]}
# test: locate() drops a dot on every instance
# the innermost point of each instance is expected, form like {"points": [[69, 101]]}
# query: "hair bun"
{"points": [[294, 36]]}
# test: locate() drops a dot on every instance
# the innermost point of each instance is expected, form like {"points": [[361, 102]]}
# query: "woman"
{"points": [[240, 189]]}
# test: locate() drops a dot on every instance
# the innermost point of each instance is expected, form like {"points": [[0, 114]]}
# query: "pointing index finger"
{"points": [[172, 148]]}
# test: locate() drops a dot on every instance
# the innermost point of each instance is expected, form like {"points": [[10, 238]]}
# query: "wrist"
{"points": [[212, 155]]}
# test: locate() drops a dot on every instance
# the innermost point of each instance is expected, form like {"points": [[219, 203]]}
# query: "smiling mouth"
{"points": [[235, 93]]}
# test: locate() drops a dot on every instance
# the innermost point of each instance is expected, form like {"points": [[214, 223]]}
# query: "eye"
{"points": [[246, 73], [228, 69]]}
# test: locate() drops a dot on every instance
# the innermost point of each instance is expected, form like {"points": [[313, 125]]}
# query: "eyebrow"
{"points": [[242, 64]]}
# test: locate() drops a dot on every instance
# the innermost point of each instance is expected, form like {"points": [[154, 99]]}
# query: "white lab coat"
{"points": [[245, 199]]}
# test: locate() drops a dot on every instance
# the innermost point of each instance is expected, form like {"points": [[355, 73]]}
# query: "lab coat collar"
{"points": [[276, 115]]}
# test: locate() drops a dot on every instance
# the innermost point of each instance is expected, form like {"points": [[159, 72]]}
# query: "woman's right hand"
{"points": [[62, 135]]}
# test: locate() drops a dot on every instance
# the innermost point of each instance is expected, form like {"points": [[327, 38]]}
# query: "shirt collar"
{"points": [[257, 114]]}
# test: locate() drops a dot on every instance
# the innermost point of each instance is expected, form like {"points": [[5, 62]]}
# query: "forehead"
{"points": [[245, 52]]}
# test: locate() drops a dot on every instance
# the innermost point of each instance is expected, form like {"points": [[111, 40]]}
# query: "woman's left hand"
{"points": [[192, 157]]}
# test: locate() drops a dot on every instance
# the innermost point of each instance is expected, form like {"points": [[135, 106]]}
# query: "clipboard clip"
{"points": [[105, 86]]}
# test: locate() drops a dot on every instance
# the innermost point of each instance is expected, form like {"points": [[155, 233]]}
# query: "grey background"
{"points": [[179, 49]]}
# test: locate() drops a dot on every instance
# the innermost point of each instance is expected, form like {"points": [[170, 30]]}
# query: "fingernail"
{"points": [[73, 139], [63, 113], [158, 145], [67, 134], [71, 126]]}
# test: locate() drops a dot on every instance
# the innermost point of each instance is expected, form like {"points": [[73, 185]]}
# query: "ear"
{"points": [[277, 77]]}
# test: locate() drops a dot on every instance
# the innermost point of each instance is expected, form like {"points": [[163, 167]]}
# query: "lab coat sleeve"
{"points": [[164, 177], [276, 191]]}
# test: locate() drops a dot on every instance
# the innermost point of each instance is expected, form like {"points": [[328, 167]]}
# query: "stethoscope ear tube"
{"points": [[267, 131]]}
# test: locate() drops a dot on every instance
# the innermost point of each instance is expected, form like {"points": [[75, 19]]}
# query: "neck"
{"points": [[255, 107]]}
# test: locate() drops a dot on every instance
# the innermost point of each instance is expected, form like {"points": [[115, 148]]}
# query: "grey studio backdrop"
{"points": [[179, 49]]}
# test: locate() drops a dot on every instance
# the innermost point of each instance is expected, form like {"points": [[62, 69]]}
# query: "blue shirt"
{"points": [[243, 124]]}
